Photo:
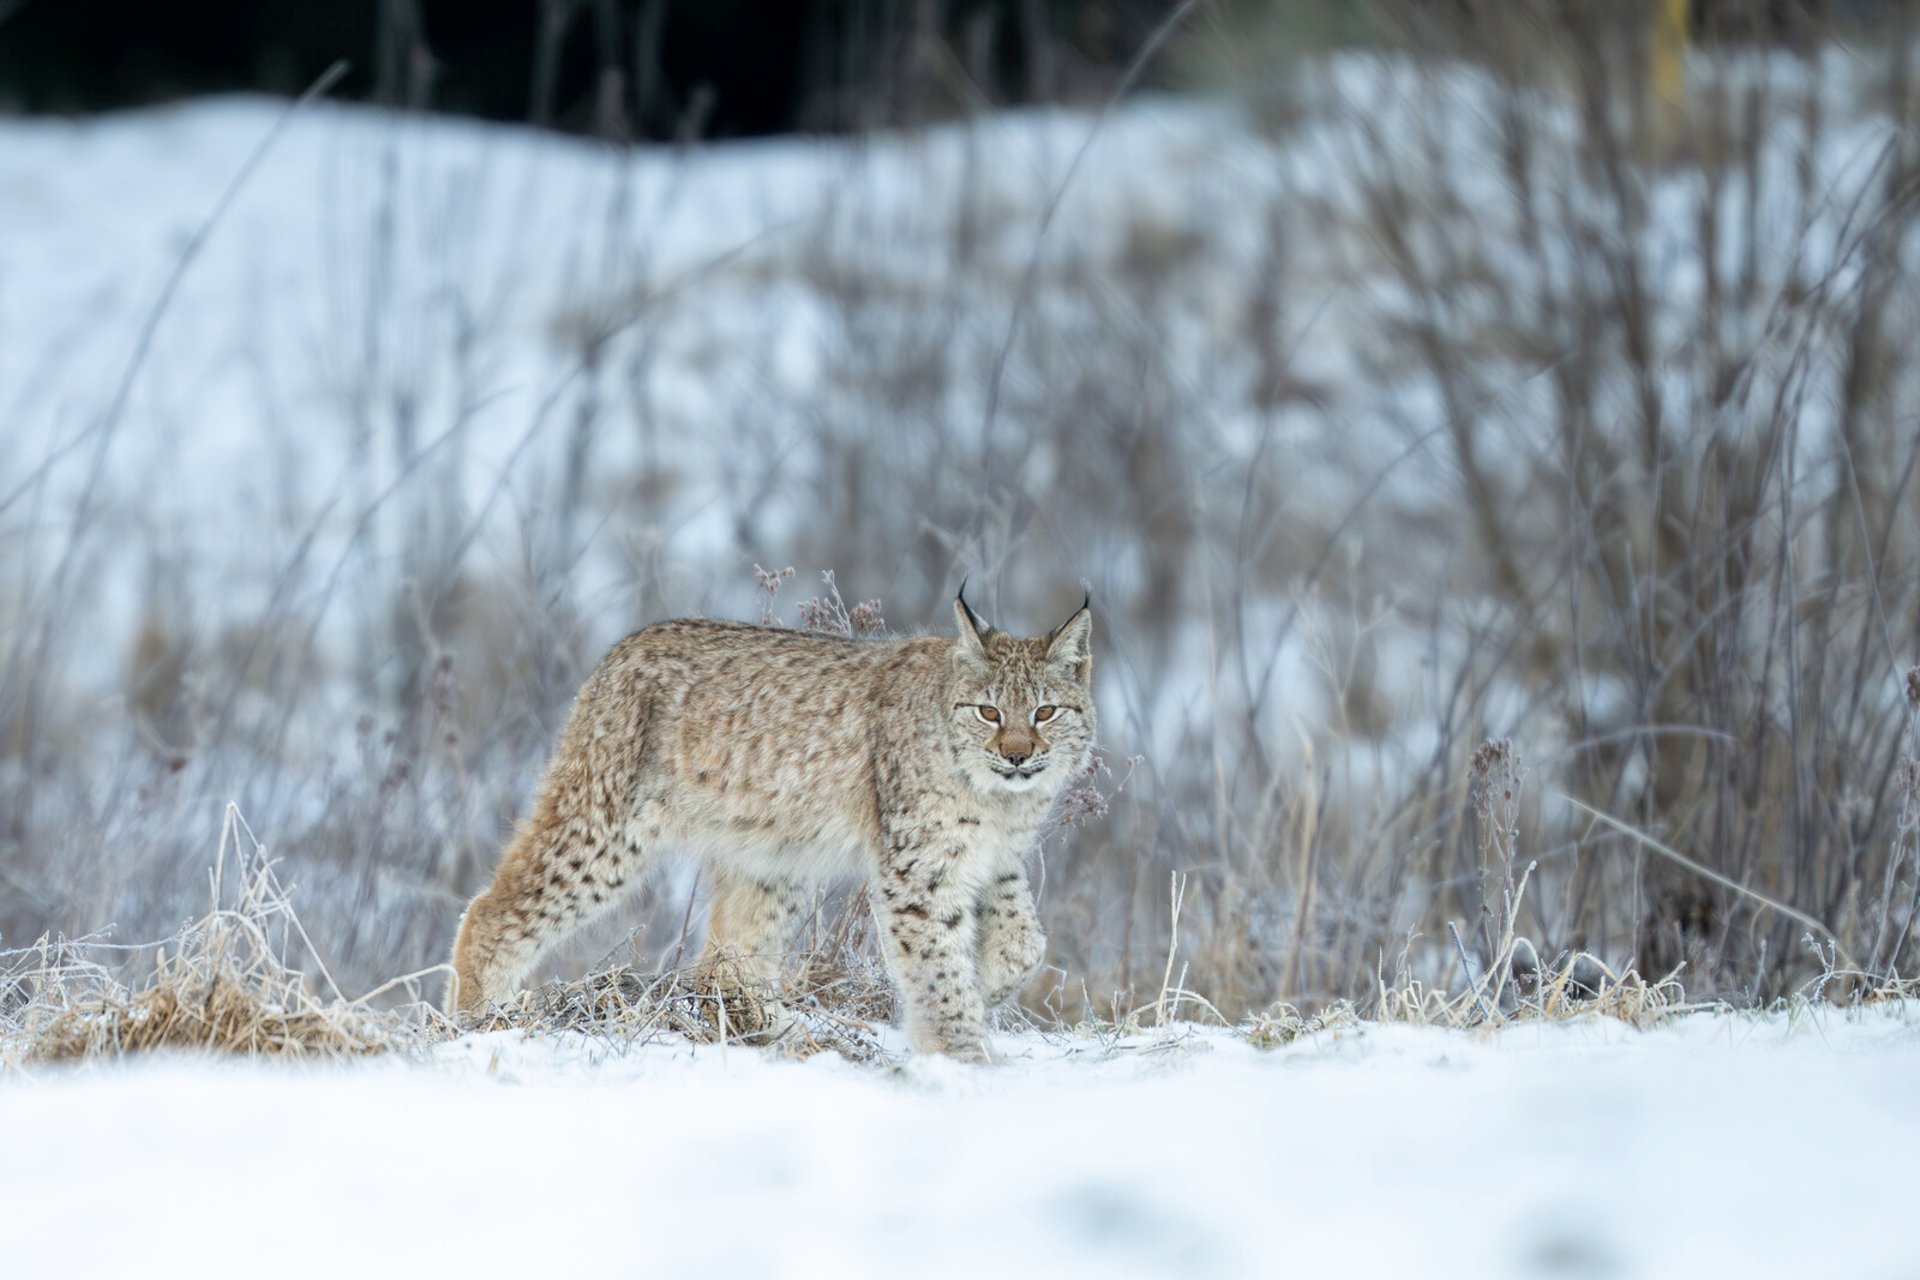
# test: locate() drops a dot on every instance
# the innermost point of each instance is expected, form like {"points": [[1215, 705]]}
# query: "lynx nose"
{"points": [[1015, 758]]}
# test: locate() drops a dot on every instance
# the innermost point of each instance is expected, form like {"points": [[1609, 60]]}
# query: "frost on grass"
{"points": [[246, 980], [835, 997], [625, 1008], [228, 983]]}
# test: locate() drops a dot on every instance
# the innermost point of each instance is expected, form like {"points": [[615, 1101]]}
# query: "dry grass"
{"points": [[834, 994], [1579, 988], [625, 1008], [246, 980], [1283, 1024], [228, 983]]}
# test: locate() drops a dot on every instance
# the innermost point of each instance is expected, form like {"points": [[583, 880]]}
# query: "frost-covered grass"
{"points": [[1720, 1144], [1476, 394]]}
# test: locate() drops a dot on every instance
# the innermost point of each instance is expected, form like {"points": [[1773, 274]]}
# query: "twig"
{"points": [[1023, 298], [1177, 891], [1474, 979], [1666, 851]]}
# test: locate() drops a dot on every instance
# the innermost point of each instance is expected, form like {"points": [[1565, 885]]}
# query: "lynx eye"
{"points": [[1043, 714], [990, 714]]}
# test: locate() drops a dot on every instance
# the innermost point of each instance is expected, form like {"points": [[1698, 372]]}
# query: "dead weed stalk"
{"points": [[227, 983]]}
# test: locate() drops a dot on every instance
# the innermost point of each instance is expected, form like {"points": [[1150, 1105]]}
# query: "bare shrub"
{"points": [[831, 615], [1692, 509]]}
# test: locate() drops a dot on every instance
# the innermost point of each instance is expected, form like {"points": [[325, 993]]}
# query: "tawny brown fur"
{"points": [[783, 759]]}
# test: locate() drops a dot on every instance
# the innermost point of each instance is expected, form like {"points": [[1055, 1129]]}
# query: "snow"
{"points": [[377, 266], [1720, 1144], [388, 322]]}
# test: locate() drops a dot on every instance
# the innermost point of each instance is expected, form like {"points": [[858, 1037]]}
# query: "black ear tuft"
{"points": [[973, 628], [1071, 643]]}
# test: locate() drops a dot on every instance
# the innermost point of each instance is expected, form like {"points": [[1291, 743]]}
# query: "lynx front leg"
{"points": [[931, 918], [1011, 943]]}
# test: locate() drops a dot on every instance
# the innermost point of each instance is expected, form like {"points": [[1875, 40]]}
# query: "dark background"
{"points": [[677, 69], [644, 69]]}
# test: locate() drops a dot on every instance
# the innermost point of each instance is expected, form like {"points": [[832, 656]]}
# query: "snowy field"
{"points": [[1365, 446], [1718, 1145]]}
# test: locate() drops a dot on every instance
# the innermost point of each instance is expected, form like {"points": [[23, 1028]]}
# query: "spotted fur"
{"points": [[784, 759]]}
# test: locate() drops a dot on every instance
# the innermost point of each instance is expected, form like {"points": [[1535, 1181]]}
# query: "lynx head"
{"points": [[1021, 710]]}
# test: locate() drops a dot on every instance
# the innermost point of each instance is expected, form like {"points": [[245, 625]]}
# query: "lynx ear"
{"points": [[1070, 644], [973, 629]]}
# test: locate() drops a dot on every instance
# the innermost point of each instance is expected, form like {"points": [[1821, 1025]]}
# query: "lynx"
{"points": [[782, 759]]}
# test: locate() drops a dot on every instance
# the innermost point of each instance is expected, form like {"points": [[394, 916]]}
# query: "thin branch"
{"points": [[1674, 855]]}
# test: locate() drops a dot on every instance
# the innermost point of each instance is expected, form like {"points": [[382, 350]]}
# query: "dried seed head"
{"points": [[1906, 785], [1089, 796], [1490, 756], [828, 615], [1913, 687], [1495, 776], [770, 580], [1494, 792], [866, 618]]}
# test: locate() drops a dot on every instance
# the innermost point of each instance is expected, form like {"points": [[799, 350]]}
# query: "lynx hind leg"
{"points": [[753, 919], [1012, 945], [569, 862]]}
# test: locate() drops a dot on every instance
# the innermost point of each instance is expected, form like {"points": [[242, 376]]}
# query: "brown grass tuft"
{"points": [[1580, 987], [834, 997], [225, 984], [625, 1008], [1283, 1024]]}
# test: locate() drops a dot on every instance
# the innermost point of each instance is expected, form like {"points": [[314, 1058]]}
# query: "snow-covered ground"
{"points": [[1719, 1145]]}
